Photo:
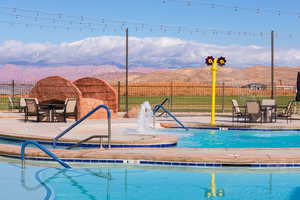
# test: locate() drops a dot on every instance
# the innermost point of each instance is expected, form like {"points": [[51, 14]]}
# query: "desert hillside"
{"points": [[111, 73], [258, 74]]}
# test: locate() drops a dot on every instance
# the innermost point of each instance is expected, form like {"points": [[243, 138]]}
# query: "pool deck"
{"points": [[225, 121], [220, 156], [123, 131]]}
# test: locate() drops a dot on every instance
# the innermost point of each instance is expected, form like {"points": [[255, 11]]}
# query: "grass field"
{"points": [[5, 105], [199, 103]]}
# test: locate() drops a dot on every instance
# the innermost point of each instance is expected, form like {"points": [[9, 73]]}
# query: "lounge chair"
{"points": [[33, 109], [253, 112], [287, 111], [70, 109], [236, 111]]}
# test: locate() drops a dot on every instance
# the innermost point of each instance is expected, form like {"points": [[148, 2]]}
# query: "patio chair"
{"points": [[23, 103], [33, 109], [253, 112], [269, 107], [287, 111], [70, 109], [236, 111]]}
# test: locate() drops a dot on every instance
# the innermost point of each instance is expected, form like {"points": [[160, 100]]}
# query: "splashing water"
{"points": [[145, 117]]}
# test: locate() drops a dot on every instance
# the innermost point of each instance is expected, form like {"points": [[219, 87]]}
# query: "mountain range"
{"points": [[112, 73]]}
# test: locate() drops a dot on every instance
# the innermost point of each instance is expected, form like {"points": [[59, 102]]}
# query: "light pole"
{"points": [[272, 64], [126, 78], [211, 61]]}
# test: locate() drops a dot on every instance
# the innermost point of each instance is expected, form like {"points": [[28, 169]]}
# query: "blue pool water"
{"points": [[142, 183], [199, 138]]}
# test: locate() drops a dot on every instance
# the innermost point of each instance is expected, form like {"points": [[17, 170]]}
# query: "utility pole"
{"points": [[272, 64], [126, 80]]}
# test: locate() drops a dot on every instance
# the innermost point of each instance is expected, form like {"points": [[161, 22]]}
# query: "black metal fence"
{"points": [[184, 97], [14, 90], [196, 97]]}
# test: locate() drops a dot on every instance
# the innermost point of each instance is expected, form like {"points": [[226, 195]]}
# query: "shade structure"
{"points": [[88, 92], [298, 87]]}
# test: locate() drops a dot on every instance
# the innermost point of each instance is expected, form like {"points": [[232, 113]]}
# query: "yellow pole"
{"points": [[213, 95]]}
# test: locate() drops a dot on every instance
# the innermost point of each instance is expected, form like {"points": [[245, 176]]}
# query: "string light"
{"points": [[37, 18], [235, 8]]}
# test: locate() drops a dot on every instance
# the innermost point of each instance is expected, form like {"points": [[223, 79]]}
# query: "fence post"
{"points": [[119, 95], [275, 91], [223, 96], [171, 98], [13, 92]]}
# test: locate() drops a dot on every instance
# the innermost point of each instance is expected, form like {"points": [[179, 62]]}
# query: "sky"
{"points": [[163, 33]]}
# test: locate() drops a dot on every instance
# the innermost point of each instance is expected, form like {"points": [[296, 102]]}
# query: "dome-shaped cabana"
{"points": [[54, 89], [96, 90]]}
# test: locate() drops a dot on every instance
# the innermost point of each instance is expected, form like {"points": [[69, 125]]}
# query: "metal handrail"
{"points": [[162, 103], [87, 139], [49, 153], [165, 101], [83, 118], [159, 106]]}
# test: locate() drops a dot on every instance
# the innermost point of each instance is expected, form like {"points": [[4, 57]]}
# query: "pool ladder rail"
{"points": [[88, 139], [44, 149], [160, 106], [82, 119]]}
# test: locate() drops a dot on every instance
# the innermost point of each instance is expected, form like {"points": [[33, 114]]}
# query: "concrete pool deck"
{"points": [[12, 125], [123, 131]]}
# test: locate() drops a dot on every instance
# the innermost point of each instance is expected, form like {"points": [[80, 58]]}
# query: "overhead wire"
{"points": [[235, 8], [42, 19]]}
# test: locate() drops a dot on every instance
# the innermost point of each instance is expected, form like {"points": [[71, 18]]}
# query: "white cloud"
{"points": [[156, 52]]}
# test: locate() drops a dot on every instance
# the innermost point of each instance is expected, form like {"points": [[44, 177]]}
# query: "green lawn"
{"points": [[199, 103], [4, 103]]}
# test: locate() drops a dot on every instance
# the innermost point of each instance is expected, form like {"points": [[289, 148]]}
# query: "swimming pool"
{"points": [[201, 138], [100, 182]]}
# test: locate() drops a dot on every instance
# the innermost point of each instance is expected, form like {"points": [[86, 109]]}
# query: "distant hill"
{"points": [[239, 76], [258, 74], [33, 73]]}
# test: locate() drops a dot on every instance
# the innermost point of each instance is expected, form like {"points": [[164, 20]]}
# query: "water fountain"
{"points": [[145, 117]]}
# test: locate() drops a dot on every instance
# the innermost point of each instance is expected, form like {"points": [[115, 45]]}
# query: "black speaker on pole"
{"points": [[298, 87]]}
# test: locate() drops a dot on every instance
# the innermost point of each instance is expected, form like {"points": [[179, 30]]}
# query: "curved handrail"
{"points": [[83, 118], [165, 101], [162, 103], [159, 106], [49, 153]]}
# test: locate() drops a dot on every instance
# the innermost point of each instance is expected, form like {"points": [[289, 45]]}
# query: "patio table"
{"points": [[51, 107]]}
